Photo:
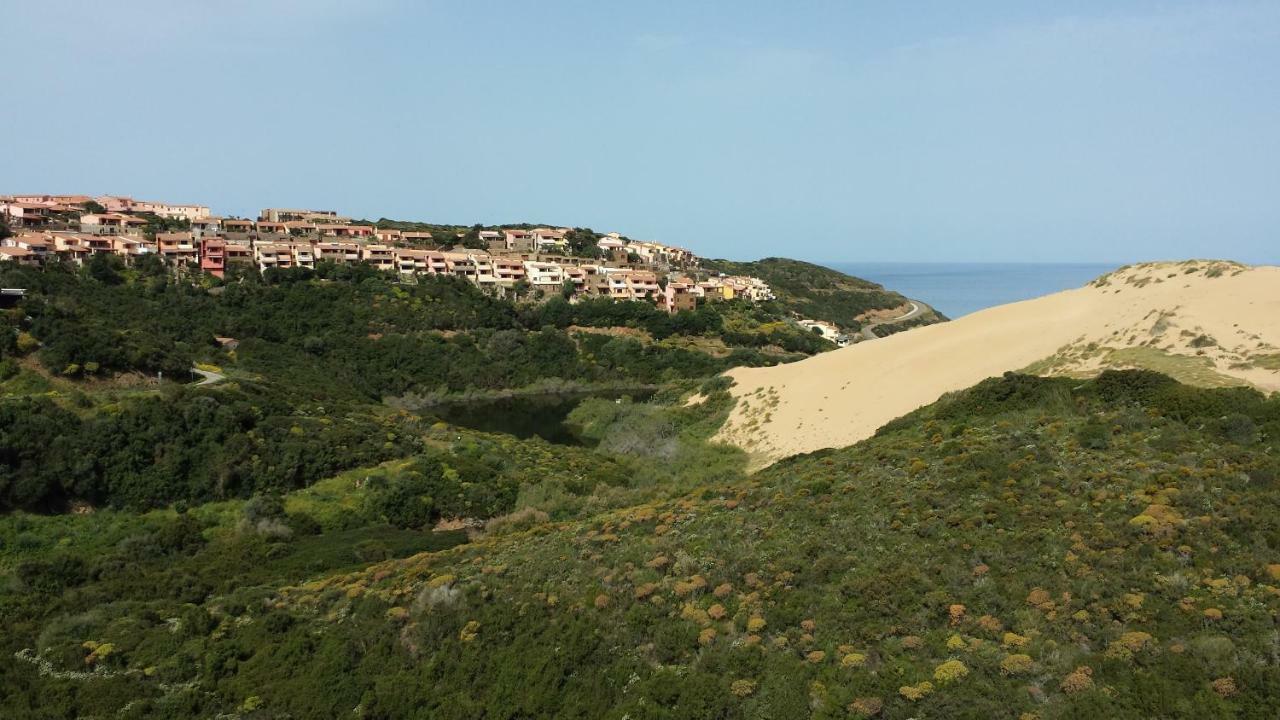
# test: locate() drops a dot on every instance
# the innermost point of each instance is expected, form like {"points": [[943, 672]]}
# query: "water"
{"points": [[524, 416], [957, 289]]}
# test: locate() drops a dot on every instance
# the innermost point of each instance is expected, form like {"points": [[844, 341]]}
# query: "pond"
{"points": [[524, 416]]}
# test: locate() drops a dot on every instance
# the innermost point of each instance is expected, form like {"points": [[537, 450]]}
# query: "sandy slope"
{"points": [[1208, 323]]}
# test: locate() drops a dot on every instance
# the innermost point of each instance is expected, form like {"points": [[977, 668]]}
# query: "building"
{"points": [[338, 252], [677, 296], [206, 227], [120, 204], [213, 256], [544, 277], [177, 247], [518, 241], [284, 215], [25, 214], [18, 256]]}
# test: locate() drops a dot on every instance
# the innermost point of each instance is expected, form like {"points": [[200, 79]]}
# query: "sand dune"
{"points": [[1206, 323]]}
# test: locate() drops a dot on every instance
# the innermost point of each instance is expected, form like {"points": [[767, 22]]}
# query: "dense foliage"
{"points": [[814, 291], [1030, 547]]}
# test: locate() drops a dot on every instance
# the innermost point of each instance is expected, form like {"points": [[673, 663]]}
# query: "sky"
{"points": [[830, 131]]}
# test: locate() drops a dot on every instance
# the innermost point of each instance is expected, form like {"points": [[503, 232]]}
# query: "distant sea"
{"points": [[957, 289]]}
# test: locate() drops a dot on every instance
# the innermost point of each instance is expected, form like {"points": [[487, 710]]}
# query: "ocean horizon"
{"points": [[958, 289]]}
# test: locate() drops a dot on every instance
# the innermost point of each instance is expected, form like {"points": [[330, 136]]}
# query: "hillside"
{"points": [[821, 293], [1030, 548], [1205, 323]]}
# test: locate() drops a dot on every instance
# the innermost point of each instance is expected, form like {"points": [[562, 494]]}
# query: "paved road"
{"points": [[209, 377], [868, 331]]}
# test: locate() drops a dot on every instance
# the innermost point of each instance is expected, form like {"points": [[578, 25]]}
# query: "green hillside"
{"points": [[1028, 548], [817, 292]]}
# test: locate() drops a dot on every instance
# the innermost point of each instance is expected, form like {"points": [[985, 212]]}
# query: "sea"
{"points": [[957, 289]]}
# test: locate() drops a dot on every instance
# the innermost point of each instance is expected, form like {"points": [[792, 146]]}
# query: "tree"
{"points": [[568, 289], [4, 229], [105, 269]]}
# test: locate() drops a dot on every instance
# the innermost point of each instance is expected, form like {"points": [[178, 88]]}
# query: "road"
{"points": [[209, 376], [868, 331]]}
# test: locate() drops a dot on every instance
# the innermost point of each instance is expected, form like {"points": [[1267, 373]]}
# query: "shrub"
{"points": [[950, 671], [1077, 681], [853, 660], [743, 688], [1017, 664]]}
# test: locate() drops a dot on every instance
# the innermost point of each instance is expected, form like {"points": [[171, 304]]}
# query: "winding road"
{"points": [[868, 332], [210, 377]]}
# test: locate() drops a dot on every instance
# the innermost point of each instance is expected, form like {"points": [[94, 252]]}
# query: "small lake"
{"points": [[524, 416]]}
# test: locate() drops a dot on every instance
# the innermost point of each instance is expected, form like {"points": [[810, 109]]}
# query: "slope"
{"points": [[1206, 323]]}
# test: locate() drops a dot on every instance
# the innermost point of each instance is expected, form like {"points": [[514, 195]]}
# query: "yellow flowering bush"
{"points": [[755, 624], [1077, 680], [853, 660], [950, 671], [1014, 640], [917, 691], [1225, 687], [743, 688], [866, 706], [1017, 664]]}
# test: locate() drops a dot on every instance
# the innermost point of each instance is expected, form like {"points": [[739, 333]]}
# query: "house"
{"points": [[548, 238], [677, 296], [69, 247], [414, 237], [507, 271], [273, 255], [177, 247], [460, 264], [206, 227], [578, 276], [827, 330], [302, 229], [120, 204], [285, 215], [545, 277], [338, 252], [518, 241], [485, 276], [25, 214], [131, 247], [346, 232], [237, 230], [94, 243], [213, 256], [49, 199], [272, 232], [109, 223], [37, 244], [387, 236], [410, 261], [18, 256], [382, 257], [239, 254], [609, 243]]}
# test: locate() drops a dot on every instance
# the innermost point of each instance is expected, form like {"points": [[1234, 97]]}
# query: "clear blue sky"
{"points": [[1028, 131]]}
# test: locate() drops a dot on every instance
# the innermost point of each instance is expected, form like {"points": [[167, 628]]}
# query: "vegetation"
{"points": [[1031, 547], [89, 359], [814, 291]]}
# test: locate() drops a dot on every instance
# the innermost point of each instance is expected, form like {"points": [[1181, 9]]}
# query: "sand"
{"points": [[1208, 323]]}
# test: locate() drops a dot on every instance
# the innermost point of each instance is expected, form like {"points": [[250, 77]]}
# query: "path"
{"points": [[209, 376], [917, 308]]}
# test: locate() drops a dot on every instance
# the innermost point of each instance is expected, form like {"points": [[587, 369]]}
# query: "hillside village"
{"points": [[518, 262]]}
